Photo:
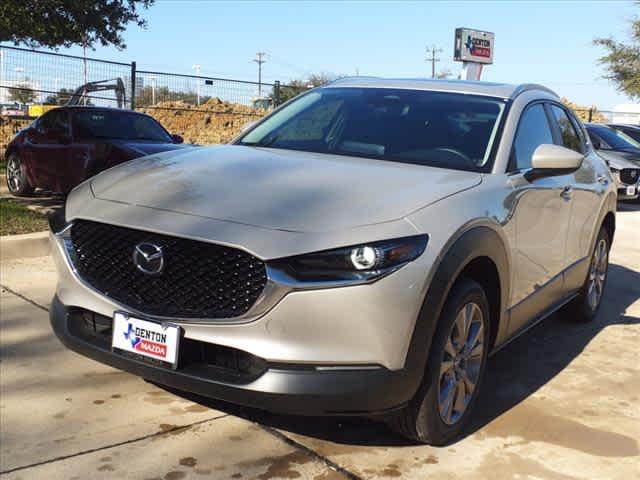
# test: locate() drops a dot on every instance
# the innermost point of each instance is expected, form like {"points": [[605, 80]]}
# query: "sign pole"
{"points": [[471, 71]]}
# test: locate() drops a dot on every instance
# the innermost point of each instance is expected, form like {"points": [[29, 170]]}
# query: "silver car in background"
{"points": [[359, 251]]}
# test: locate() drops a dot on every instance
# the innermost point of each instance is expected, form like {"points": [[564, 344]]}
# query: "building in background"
{"points": [[626, 113]]}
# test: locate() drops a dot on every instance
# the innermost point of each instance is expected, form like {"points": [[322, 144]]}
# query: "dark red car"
{"points": [[67, 145]]}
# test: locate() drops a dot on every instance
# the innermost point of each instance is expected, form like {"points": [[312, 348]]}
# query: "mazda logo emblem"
{"points": [[148, 258]]}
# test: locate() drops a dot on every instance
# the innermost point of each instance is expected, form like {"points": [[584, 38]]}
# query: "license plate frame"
{"points": [[148, 340]]}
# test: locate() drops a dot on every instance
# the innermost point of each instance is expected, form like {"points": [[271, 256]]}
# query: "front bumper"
{"points": [[351, 326], [278, 388]]}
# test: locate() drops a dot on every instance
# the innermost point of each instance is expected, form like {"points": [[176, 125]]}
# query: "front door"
{"points": [[541, 215], [50, 149]]}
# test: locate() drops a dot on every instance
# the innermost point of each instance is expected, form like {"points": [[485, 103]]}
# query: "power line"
{"points": [[433, 59], [260, 60]]}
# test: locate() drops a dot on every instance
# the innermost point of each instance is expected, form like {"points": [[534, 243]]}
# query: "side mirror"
{"points": [[595, 142], [549, 160], [247, 126], [177, 138]]}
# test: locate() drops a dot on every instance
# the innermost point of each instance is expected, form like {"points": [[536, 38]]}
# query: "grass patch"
{"points": [[16, 219]]}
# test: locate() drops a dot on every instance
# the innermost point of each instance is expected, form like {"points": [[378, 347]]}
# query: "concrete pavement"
{"points": [[560, 403]]}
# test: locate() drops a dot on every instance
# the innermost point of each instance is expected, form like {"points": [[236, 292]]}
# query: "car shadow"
{"points": [[514, 373], [40, 201]]}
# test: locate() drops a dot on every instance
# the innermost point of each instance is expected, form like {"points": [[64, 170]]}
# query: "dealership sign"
{"points": [[473, 46]]}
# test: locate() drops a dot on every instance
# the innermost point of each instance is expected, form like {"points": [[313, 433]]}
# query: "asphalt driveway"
{"points": [[562, 402]]}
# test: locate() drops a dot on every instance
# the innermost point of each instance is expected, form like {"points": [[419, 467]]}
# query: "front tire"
{"points": [[444, 403], [586, 305], [16, 175]]}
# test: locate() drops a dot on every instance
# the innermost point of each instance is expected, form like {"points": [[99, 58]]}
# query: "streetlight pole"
{"points": [[153, 89], [196, 67]]}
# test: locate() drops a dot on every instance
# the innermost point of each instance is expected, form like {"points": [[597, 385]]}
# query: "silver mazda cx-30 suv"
{"points": [[359, 251]]}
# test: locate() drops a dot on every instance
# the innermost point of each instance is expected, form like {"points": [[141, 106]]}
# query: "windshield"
{"points": [[447, 130], [615, 138], [118, 125]]}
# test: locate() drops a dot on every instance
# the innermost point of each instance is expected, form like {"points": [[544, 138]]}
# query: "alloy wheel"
{"points": [[598, 274], [14, 174], [461, 363]]}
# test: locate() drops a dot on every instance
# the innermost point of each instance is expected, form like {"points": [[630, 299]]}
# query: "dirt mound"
{"points": [[212, 122], [583, 112], [8, 128]]}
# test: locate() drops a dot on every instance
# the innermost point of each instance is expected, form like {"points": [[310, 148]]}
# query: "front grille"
{"points": [[199, 280], [206, 360], [630, 176]]}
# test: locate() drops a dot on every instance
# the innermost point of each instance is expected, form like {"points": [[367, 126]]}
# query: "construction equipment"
{"points": [[81, 95]]}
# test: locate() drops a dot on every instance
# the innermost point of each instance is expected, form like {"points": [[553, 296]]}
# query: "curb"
{"points": [[13, 247]]}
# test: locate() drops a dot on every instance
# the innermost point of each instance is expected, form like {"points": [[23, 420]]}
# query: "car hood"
{"points": [[279, 189], [147, 148], [620, 160]]}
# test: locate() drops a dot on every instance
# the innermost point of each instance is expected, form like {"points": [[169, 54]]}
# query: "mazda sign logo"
{"points": [[148, 258]]}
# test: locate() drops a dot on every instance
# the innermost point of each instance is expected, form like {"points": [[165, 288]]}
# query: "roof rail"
{"points": [[352, 77], [525, 87]]}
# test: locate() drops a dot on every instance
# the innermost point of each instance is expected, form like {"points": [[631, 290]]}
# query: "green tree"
{"points": [[297, 86], [622, 61], [22, 93], [63, 23]]}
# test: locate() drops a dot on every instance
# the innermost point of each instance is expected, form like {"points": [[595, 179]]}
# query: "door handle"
{"points": [[567, 193], [602, 180]]}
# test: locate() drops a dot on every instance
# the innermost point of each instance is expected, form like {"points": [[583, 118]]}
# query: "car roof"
{"points": [[94, 107], [624, 125], [500, 90]]}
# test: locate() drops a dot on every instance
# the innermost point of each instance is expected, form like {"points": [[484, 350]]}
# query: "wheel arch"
{"points": [[480, 253]]}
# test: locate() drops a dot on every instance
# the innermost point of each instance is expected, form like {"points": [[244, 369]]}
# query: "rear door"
{"points": [[542, 215], [589, 185]]}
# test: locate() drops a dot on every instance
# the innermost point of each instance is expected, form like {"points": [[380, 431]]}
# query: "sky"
{"points": [[547, 42]]}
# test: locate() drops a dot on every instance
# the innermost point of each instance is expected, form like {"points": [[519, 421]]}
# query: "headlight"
{"points": [[350, 265]]}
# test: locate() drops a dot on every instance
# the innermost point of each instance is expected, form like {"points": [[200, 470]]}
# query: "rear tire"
{"points": [[16, 176], [586, 305], [455, 370]]}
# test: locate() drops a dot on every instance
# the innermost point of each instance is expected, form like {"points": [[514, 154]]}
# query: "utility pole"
{"points": [[260, 60], [196, 67], [433, 59]]}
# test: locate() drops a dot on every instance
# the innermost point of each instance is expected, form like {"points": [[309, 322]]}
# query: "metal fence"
{"points": [[33, 81], [33, 77], [203, 109], [153, 88], [36, 77]]}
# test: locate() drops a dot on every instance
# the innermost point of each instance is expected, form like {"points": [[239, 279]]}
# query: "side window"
{"points": [[533, 131], [568, 134], [54, 120], [46, 122]]}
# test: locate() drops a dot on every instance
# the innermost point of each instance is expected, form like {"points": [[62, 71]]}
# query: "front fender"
{"points": [[469, 244]]}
